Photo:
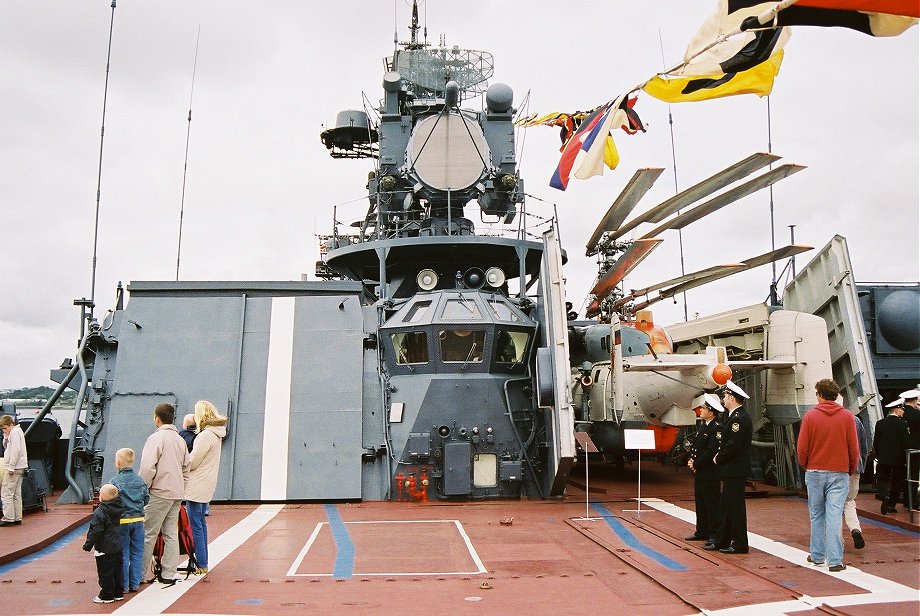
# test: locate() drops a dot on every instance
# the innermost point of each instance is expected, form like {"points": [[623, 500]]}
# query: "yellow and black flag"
{"points": [[872, 17], [722, 61]]}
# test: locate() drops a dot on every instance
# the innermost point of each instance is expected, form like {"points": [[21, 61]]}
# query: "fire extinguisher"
{"points": [[400, 478]]}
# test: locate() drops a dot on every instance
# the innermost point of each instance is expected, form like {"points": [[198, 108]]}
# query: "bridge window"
{"points": [[461, 309], [510, 347], [462, 345], [410, 347], [502, 311], [417, 312]]}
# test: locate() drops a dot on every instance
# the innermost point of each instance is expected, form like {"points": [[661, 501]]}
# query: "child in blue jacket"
{"points": [[134, 496]]}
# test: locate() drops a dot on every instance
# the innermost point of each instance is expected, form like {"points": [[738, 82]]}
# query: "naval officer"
{"points": [[890, 441], [734, 462], [912, 417], [705, 472]]}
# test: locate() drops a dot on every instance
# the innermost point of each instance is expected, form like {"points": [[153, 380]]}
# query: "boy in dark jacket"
{"points": [[105, 535]]}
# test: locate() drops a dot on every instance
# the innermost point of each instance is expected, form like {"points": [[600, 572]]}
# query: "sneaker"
{"points": [[858, 541], [817, 564], [98, 599], [121, 598], [836, 568]]}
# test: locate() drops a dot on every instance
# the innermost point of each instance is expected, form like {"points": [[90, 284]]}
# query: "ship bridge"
{"points": [[449, 332]]}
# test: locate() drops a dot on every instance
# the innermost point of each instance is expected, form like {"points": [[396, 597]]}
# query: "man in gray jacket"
{"points": [[164, 468]]}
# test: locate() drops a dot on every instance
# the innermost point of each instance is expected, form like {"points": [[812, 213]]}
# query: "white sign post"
{"points": [[639, 439], [587, 446]]}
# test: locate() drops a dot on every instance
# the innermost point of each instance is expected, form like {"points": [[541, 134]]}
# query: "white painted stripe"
{"points": [[881, 590], [306, 548], [480, 568], [155, 599], [469, 546], [277, 415]]}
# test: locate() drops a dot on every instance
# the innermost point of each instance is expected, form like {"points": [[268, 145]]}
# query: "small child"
{"points": [[105, 535], [188, 430], [134, 496]]}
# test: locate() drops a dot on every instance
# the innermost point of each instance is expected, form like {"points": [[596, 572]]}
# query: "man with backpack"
{"points": [[164, 468]]}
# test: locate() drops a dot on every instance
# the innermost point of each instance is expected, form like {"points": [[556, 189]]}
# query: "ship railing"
{"points": [[525, 226]]}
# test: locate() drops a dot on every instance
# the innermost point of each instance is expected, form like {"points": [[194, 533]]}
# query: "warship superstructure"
{"points": [[425, 361]]}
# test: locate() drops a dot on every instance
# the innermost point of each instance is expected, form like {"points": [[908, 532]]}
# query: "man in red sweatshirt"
{"points": [[828, 450]]}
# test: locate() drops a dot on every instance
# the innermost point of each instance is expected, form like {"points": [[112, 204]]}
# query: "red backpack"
{"points": [[186, 546]]}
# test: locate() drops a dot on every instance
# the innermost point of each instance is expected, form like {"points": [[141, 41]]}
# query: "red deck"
{"points": [[460, 558]]}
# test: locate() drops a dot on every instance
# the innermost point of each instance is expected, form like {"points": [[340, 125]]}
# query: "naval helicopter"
{"points": [[629, 372]]}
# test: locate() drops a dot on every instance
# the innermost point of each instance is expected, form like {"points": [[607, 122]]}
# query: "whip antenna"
{"points": [[188, 134], [105, 94], [774, 298], [680, 237]]}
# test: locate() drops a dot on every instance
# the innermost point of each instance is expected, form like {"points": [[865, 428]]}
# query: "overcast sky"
{"points": [[260, 185]]}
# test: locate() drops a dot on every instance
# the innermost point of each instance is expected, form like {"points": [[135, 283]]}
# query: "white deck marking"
{"points": [[881, 590], [480, 568], [278, 400], [155, 599]]}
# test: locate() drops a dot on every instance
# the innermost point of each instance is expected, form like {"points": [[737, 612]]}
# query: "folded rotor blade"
{"points": [[715, 269], [635, 189], [705, 188], [726, 198], [625, 264], [769, 257]]}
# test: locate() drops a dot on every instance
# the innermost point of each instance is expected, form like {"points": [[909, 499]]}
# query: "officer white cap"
{"points": [[736, 391], [910, 394], [712, 401], [896, 403]]}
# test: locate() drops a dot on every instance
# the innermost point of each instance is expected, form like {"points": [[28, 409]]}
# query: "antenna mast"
{"points": [[105, 94], [680, 236], [188, 134]]}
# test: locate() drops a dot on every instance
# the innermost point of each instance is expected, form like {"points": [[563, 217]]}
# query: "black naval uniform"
{"points": [[889, 444], [912, 418], [706, 480], [734, 462]]}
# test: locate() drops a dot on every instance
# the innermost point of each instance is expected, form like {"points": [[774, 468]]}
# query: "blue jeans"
{"points": [[132, 554], [827, 494], [199, 531]]}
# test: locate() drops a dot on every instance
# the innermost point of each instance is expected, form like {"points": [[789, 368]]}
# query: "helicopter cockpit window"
{"points": [[417, 312], [461, 309], [410, 347], [502, 311], [462, 345], [510, 347]]}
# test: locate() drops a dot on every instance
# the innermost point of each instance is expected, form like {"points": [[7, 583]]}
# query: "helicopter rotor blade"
{"points": [[726, 198], [635, 189], [709, 271], [769, 257], [702, 189], [630, 258]]}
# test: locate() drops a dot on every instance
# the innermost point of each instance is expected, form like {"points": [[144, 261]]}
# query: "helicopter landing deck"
{"points": [[542, 557]]}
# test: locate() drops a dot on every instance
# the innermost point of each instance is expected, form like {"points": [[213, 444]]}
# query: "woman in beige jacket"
{"points": [[205, 464]]}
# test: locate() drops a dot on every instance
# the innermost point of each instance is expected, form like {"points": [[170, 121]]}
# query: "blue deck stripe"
{"points": [[61, 543], [345, 549], [630, 539]]}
